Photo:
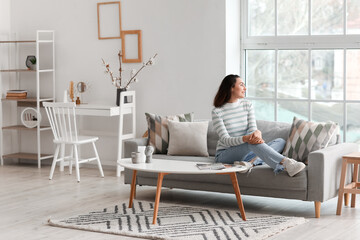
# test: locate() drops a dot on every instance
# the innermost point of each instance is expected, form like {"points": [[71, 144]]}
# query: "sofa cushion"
{"points": [[306, 137], [188, 138], [271, 130], [212, 139], [158, 133]]}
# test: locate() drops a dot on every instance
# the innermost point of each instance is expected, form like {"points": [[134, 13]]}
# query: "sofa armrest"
{"points": [[132, 144], [324, 170]]}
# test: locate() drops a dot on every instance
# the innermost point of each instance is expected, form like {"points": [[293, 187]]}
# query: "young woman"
{"points": [[239, 140]]}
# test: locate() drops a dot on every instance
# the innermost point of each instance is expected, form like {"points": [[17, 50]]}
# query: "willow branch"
{"points": [[143, 66], [120, 69]]}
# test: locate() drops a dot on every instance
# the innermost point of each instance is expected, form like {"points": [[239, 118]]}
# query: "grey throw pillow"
{"points": [[188, 138], [158, 133]]}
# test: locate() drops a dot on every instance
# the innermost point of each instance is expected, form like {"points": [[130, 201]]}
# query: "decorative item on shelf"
{"points": [[30, 117], [81, 88], [65, 100], [71, 91], [118, 81], [148, 153], [77, 100], [31, 62], [16, 94]]}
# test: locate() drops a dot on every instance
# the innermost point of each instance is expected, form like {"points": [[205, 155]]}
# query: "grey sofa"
{"points": [[318, 183]]}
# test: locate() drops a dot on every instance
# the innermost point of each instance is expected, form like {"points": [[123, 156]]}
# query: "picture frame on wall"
{"points": [[131, 46], [109, 20]]}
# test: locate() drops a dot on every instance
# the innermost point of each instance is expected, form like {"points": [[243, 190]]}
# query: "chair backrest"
{"points": [[62, 120]]}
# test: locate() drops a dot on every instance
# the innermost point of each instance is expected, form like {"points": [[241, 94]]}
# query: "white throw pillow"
{"points": [[188, 138]]}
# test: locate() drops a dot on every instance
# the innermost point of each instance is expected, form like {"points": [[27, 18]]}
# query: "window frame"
{"points": [[308, 42]]}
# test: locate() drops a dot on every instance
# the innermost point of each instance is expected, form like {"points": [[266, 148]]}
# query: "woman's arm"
{"points": [[254, 135], [251, 119], [224, 136]]}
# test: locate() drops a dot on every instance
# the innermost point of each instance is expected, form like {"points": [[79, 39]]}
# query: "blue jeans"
{"points": [[268, 153]]}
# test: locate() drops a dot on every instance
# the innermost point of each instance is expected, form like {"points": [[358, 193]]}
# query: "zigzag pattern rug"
{"points": [[178, 222]]}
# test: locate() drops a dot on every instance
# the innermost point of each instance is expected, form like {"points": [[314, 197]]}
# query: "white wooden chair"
{"points": [[62, 120]]}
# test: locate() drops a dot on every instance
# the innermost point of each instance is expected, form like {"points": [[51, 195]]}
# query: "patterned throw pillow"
{"points": [[158, 131], [306, 137]]}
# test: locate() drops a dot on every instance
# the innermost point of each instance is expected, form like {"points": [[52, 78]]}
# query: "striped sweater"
{"points": [[232, 121]]}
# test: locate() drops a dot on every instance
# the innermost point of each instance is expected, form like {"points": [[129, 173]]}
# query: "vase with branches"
{"points": [[120, 83]]}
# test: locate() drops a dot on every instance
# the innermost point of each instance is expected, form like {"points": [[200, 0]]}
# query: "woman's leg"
{"points": [[232, 154], [277, 144], [268, 155]]}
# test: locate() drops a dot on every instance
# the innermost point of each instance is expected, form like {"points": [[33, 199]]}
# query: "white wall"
{"points": [[188, 35], [232, 37], [4, 16]]}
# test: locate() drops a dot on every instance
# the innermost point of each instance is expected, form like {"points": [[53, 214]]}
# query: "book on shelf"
{"points": [[216, 166], [14, 98], [16, 91], [16, 94]]}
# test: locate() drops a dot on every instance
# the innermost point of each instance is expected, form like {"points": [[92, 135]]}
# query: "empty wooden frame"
{"points": [[108, 15], [125, 52]]}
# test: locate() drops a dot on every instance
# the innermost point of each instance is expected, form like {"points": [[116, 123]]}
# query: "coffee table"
{"points": [[164, 167]]}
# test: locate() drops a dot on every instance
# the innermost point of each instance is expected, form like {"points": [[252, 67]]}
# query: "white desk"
{"points": [[98, 110], [93, 109]]}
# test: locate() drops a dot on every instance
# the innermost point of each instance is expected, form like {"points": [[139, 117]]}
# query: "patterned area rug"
{"points": [[178, 222]]}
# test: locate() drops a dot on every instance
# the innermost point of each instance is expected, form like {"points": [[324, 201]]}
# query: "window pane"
{"points": [[324, 112], [327, 74], [288, 109], [327, 16], [353, 19], [293, 17], [261, 17], [264, 110], [260, 73], [353, 74], [293, 74], [353, 123]]}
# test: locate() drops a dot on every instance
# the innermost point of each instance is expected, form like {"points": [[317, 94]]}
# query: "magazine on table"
{"points": [[216, 166]]}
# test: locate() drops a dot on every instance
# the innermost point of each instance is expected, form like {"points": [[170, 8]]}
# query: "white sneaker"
{"points": [[292, 166], [246, 166]]}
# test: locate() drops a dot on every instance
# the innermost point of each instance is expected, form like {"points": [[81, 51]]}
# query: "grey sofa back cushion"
{"points": [[270, 131]]}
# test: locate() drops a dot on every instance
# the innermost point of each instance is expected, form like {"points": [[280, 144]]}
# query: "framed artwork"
{"points": [[131, 46], [109, 20]]}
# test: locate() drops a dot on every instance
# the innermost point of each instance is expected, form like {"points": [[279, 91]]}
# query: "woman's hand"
{"points": [[257, 134], [254, 138]]}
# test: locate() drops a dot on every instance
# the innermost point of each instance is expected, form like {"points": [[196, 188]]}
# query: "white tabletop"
{"points": [[172, 166]]}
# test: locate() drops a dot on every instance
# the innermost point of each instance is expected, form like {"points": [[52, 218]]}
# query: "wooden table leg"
{"points": [[355, 180], [346, 199], [133, 188], [157, 197], [238, 194], [341, 187]]}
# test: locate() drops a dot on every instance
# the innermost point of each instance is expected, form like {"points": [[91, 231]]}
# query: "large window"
{"points": [[302, 58]]}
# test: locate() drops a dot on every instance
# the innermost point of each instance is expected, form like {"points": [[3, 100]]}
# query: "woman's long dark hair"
{"points": [[223, 95]]}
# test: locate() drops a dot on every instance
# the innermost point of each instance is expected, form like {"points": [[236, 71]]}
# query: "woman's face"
{"points": [[238, 91]]}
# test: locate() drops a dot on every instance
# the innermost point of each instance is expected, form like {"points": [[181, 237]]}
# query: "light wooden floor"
{"points": [[28, 199]]}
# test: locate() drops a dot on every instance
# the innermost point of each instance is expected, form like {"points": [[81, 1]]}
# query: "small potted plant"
{"points": [[31, 62]]}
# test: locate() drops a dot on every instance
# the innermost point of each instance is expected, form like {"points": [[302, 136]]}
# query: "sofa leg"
{"points": [[317, 209]]}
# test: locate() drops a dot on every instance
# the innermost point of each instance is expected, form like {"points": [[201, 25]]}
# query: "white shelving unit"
{"points": [[44, 39]]}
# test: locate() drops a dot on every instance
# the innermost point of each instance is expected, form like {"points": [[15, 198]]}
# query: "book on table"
{"points": [[216, 166]]}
